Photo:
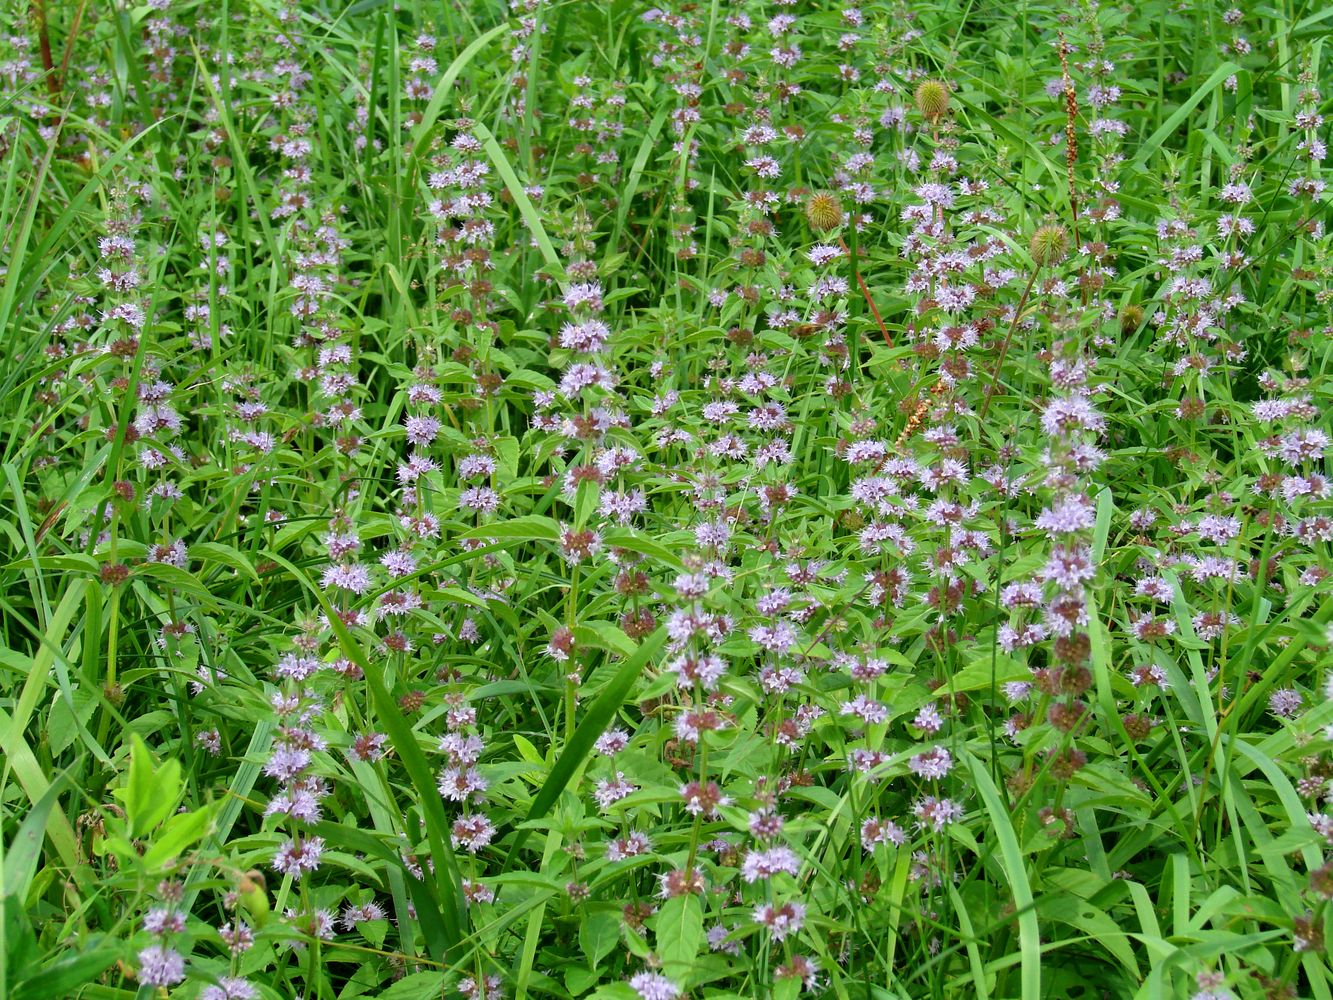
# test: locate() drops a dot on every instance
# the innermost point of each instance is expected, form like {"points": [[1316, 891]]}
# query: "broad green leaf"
{"points": [[595, 722], [180, 832], [150, 792], [598, 933], [521, 529], [680, 933], [1013, 866], [24, 852], [64, 976], [416, 986], [225, 555]]}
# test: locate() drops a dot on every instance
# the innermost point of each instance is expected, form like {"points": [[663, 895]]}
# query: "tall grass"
{"points": [[570, 499]]}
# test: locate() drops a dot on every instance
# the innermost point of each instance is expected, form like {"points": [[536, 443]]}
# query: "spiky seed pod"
{"points": [[1130, 318], [1049, 245], [932, 99], [823, 211]]}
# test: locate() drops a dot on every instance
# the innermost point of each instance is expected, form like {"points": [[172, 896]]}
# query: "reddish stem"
{"points": [[69, 43], [1004, 348], [865, 294], [44, 42]]}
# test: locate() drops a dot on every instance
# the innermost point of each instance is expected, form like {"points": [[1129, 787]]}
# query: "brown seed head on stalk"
{"points": [[1071, 133], [1049, 245], [823, 211], [1130, 318], [919, 414], [932, 99]]}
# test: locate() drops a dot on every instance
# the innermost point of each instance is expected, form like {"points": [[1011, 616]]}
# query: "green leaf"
{"points": [[595, 722], [151, 792], [506, 451], [181, 831], [1102, 529], [444, 90], [63, 722], [237, 792], [604, 635], [531, 219], [598, 934], [224, 554], [579, 980], [1096, 924], [21, 856], [1011, 860], [19, 941], [521, 529], [415, 987], [1154, 141], [586, 498], [527, 751], [374, 931], [977, 675], [63, 977], [680, 934], [623, 538]]}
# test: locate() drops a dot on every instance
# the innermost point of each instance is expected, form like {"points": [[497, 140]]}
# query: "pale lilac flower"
{"points": [[160, 966], [932, 764], [296, 857], [230, 988], [767, 863], [651, 986], [936, 813], [781, 921]]}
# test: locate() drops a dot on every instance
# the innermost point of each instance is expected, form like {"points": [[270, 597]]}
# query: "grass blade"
{"points": [[595, 722]]}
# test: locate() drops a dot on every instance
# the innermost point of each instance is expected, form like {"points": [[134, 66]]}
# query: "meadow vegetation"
{"points": [[579, 499]]}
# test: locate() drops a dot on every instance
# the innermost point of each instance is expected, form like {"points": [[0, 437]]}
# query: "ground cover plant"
{"points": [[718, 500]]}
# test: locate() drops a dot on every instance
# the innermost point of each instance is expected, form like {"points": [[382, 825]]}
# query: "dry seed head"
{"points": [[932, 99], [1049, 245], [823, 211], [1130, 318]]}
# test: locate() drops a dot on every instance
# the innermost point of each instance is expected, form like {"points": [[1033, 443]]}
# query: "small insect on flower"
{"points": [[1285, 703]]}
